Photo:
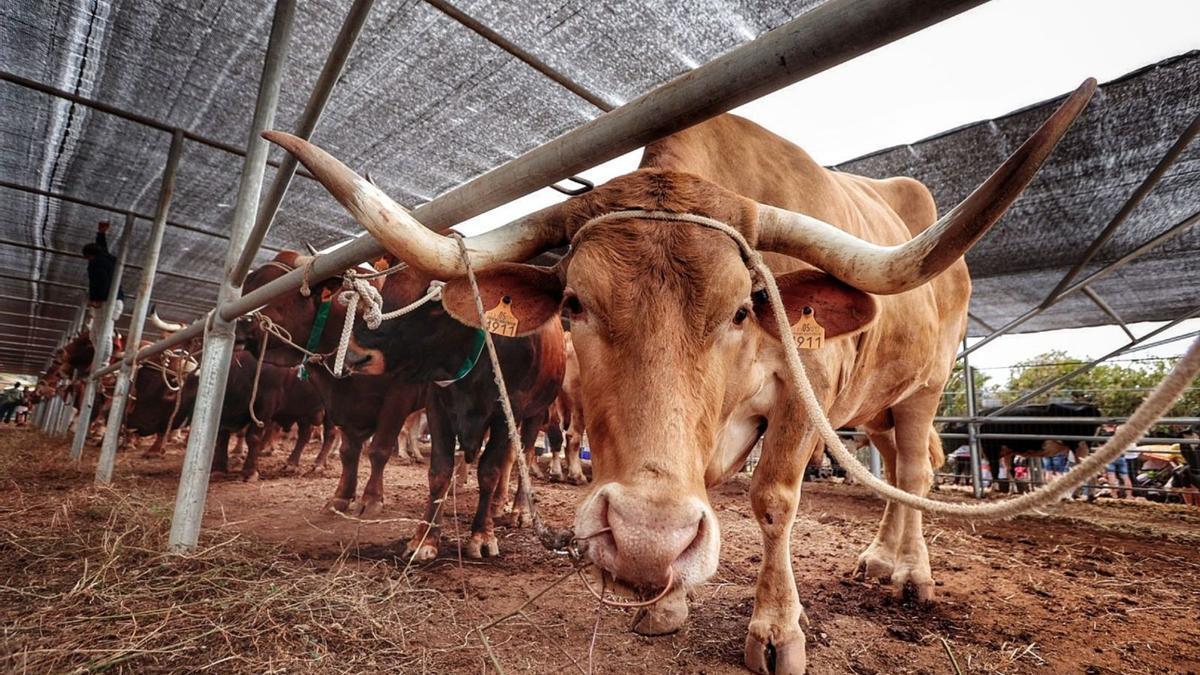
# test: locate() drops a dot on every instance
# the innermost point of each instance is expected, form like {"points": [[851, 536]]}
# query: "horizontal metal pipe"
{"points": [[1090, 439], [824, 37], [70, 254], [62, 196], [1060, 420], [143, 120]]}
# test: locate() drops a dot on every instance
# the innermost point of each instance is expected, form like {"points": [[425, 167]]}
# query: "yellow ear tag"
{"points": [[808, 333], [500, 320]]}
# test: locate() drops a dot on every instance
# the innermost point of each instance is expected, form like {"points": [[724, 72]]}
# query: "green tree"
{"points": [[1117, 388], [954, 397]]}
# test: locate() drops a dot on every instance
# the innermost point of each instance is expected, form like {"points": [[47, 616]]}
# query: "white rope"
{"points": [[359, 289], [551, 539], [1152, 408]]}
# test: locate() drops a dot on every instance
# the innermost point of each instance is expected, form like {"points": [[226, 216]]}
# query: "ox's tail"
{"points": [[937, 455]]}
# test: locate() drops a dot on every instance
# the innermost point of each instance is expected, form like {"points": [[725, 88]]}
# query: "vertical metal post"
{"points": [[331, 72], [218, 342], [102, 340], [876, 464], [973, 429], [141, 305], [62, 414]]}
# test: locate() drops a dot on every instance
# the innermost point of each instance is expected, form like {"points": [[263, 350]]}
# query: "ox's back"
{"points": [[876, 370], [741, 156]]}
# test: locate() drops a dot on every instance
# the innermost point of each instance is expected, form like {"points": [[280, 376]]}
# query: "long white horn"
{"points": [[895, 269], [164, 326], [404, 237]]}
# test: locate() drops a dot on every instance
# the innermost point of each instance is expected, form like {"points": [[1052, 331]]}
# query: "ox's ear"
{"points": [[839, 308], [532, 295]]}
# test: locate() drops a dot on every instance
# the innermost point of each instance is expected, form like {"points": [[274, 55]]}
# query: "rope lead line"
{"points": [[1152, 408], [551, 539]]}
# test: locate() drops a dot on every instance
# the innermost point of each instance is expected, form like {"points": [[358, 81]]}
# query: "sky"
{"points": [[996, 58]]}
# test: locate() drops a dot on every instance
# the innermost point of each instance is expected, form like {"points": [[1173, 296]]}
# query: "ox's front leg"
{"points": [[775, 642], [494, 467], [424, 544], [352, 442], [383, 446]]}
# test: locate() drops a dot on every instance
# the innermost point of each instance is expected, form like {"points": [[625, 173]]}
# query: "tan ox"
{"points": [[682, 368]]}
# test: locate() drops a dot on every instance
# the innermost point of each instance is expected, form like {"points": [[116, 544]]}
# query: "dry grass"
{"points": [[85, 586]]}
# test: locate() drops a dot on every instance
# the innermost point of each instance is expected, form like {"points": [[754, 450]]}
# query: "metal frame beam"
{"points": [[50, 194], [331, 72], [55, 251], [13, 78], [1149, 245], [486, 32], [826, 36], [1107, 309], [1147, 185]]}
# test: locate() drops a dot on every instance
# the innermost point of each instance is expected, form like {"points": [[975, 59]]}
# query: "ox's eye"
{"points": [[572, 304], [739, 317]]}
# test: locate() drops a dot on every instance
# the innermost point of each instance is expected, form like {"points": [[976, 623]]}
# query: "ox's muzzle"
{"points": [[643, 538]]}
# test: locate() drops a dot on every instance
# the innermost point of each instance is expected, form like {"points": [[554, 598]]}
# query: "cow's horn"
{"points": [[166, 326], [312, 250], [404, 237], [895, 269]]}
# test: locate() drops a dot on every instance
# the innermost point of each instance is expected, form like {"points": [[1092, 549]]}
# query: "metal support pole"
{"points": [[973, 431], [102, 335], [833, 33], [218, 343], [343, 44], [876, 464], [116, 412]]}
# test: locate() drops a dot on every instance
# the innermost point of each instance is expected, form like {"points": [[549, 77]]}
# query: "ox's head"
{"points": [[666, 322], [294, 313]]}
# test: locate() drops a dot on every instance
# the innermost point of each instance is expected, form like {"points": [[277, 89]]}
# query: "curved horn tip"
{"points": [[312, 250]]}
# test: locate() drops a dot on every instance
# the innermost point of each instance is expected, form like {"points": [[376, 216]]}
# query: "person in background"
{"points": [[11, 398], [962, 465], [101, 267], [23, 406], [1119, 484]]}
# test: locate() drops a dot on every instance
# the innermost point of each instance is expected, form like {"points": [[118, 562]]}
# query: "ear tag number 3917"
{"points": [[500, 320], [808, 333]]}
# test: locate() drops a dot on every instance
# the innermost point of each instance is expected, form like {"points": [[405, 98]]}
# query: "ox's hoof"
{"points": [[315, 470], [874, 563], [663, 617], [420, 552], [366, 508], [577, 479], [482, 545], [289, 469], [772, 650], [337, 504], [913, 580], [251, 477], [516, 518]]}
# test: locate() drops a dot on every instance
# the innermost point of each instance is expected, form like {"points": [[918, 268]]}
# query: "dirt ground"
{"points": [[281, 585]]}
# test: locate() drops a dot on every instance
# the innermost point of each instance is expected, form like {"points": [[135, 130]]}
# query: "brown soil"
{"points": [[282, 585]]}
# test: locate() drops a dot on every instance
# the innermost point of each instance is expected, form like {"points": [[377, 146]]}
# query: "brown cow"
{"points": [[681, 361], [569, 413]]}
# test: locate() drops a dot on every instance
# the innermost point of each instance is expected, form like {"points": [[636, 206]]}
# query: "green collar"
{"points": [[468, 363], [314, 335]]}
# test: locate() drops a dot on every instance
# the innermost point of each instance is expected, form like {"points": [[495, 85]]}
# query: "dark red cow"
{"points": [[429, 345], [361, 407]]}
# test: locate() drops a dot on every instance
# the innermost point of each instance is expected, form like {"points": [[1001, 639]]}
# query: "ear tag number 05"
{"points": [[500, 320], [808, 333]]}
